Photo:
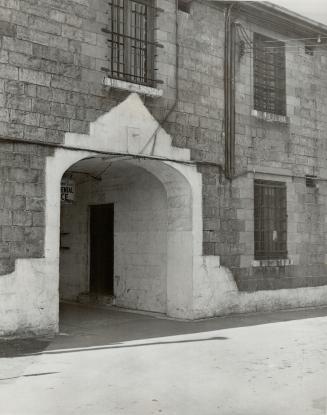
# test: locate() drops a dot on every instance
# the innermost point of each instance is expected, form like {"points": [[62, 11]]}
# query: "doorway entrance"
{"points": [[115, 235], [121, 235], [102, 249]]}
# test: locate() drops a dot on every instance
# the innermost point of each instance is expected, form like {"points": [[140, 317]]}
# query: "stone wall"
{"points": [[280, 150], [51, 55], [21, 203]]}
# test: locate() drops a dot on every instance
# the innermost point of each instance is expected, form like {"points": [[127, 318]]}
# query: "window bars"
{"points": [[131, 41], [270, 220], [269, 75]]}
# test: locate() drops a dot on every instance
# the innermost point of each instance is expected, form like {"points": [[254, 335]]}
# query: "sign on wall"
{"points": [[67, 190]]}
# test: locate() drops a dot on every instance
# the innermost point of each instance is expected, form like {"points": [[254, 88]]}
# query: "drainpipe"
{"points": [[229, 84]]}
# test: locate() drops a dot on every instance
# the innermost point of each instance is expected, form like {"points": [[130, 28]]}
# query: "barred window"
{"points": [[270, 220], [269, 75], [131, 41]]}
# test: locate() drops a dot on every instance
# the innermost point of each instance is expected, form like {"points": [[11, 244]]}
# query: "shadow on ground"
{"points": [[85, 327], [22, 347]]}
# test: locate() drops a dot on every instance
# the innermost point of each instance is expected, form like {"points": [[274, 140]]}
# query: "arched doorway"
{"points": [[114, 236], [127, 236]]}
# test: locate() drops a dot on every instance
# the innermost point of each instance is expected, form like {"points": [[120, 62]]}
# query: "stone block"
{"points": [[34, 77], [35, 204], [4, 115], [19, 102], [68, 84], [8, 71], [18, 249], [7, 266], [16, 45], [17, 203], [22, 117], [30, 90], [34, 234], [7, 29], [35, 250], [22, 218], [12, 233], [54, 136], [33, 189], [15, 87], [62, 110], [34, 36], [56, 123], [40, 106], [5, 217], [32, 133], [4, 250], [8, 130], [4, 56], [44, 25], [38, 219]]}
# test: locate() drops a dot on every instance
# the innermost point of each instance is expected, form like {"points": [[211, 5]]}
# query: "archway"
{"points": [[142, 265]]}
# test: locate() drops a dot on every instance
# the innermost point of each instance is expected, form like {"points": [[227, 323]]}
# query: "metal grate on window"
{"points": [[310, 181], [269, 75], [131, 41], [270, 220]]}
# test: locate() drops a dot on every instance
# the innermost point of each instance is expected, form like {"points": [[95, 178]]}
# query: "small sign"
{"points": [[67, 190]]}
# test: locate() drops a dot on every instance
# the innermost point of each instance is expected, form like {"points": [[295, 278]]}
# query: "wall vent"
{"points": [[184, 6], [310, 181]]}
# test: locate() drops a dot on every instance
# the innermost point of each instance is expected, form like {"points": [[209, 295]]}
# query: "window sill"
{"points": [[272, 262], [268, 116], [129, 86]]}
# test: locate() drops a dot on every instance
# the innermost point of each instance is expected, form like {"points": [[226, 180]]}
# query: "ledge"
{"points": [[268, 116], [271, 262], [129, 86]]}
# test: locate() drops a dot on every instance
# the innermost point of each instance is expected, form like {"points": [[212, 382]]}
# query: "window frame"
{"points": [[269, 73], [270, 216], [122, 38]]}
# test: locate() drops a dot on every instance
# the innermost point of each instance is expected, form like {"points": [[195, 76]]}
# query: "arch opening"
{"points": [[120, 237]]}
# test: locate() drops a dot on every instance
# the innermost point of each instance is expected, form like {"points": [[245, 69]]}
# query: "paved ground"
{"points": [[111, 362]]}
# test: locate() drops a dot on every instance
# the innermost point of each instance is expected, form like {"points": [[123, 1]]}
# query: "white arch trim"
{"points": [[183, 187]]}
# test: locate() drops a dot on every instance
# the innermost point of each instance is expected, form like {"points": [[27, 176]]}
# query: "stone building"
{"points": [[165, 156]]}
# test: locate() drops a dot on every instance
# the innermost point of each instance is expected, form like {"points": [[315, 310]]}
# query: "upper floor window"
{"points": [[270, 220], [269, 75], [131, 41]]}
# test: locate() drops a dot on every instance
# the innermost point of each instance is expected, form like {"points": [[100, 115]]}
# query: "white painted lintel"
{"points": [[131, 87]]}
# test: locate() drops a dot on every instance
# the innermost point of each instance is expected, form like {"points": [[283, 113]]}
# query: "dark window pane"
{"points": [[131, 41], [269, 75], [270, 220]]}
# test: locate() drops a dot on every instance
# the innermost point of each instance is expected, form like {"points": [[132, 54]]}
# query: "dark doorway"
{"points": [[102, 249]]}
